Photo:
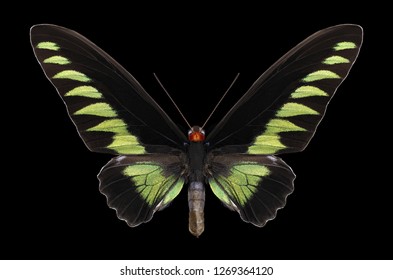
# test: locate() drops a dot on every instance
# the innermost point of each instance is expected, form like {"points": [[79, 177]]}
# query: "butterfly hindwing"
{"points": [[138, 186], [110, 109], [255, 186], [281, 110]]}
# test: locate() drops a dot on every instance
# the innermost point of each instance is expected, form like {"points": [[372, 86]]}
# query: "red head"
{"points": [[196, 134]]}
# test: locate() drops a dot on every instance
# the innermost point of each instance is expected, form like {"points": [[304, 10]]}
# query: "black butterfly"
{"points": [[278, 114]]}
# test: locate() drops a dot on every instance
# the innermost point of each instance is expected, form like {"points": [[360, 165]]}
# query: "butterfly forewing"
{"points": [[281, 110], [110, 109]]}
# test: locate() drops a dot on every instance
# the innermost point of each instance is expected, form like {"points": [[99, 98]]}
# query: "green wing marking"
{"points": [[151, 184], [57, 59], [138, 186], [241, 184], [255, 186], [47, 46]]}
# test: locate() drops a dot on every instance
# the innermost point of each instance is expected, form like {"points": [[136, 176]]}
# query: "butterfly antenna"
{"points": [[173, 102], [219, 102]]}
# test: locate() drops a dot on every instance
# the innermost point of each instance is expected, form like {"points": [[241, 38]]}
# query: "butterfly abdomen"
{"points": [[196, 189], [196, 205]]}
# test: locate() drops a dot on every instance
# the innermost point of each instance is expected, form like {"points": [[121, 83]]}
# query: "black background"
{"points": [[51, 207]]}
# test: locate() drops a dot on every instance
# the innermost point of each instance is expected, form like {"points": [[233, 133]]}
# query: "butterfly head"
{"points": [[196, 134]]}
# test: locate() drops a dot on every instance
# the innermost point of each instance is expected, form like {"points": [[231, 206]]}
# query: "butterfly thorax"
{"points": [[196, 153]]}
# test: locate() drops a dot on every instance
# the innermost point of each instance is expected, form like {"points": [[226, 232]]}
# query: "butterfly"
{"points": [[237, 157]]}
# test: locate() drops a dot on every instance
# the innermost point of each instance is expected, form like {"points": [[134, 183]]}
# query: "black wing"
{"points": [[282, 109], [111, 110]]}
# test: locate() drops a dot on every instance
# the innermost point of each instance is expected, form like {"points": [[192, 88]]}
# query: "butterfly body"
{"points": [[238, 157]]}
